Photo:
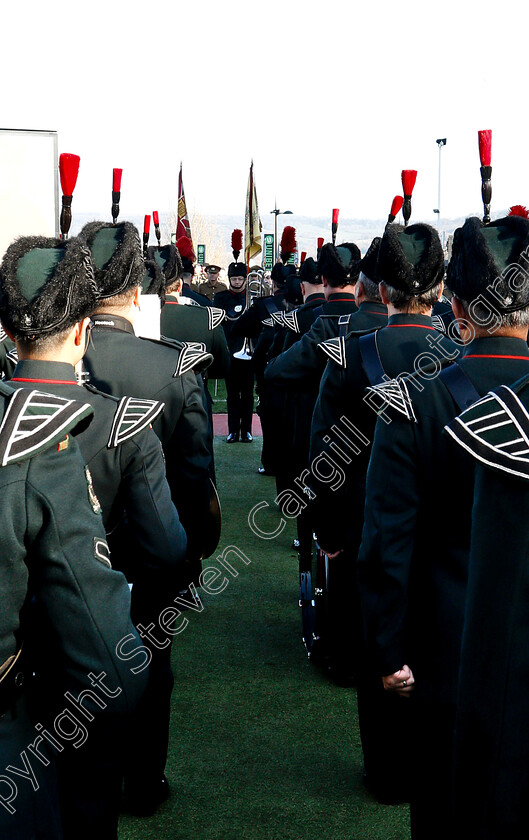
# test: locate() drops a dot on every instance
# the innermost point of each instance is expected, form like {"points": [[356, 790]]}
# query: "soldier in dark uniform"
{"points": [[302, 366], [258, 326], [240, 379], [491, 753], [54, 558], [413, 578], [47, 293], [122, 364], [184, 322], [412, 258]]}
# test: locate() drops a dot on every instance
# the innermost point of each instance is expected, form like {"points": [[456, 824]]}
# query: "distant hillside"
{"points": [[215, 232]]}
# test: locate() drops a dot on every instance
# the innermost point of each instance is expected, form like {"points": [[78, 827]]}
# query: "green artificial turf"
{"points": [[263, 746]]}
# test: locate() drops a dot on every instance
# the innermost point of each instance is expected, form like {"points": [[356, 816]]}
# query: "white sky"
{"points": [[330, 100]]}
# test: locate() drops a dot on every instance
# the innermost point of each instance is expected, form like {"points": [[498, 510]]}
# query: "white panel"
{"points": [[29, 185]]}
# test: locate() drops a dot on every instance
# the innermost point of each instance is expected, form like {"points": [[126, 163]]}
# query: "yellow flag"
{"points": [[252, 222]]}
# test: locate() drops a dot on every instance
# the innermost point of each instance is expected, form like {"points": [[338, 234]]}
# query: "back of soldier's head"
{"points": [[411, 266], [118, 260], [339, 264], [489, 270], [46, 287]]}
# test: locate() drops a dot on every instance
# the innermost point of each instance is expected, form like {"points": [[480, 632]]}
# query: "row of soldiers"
{"points": [[425, 609], [108, 508], [364, 377]]}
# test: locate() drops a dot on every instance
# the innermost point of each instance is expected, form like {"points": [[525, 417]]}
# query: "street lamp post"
{"points": [[276, 213], [440, 143]]}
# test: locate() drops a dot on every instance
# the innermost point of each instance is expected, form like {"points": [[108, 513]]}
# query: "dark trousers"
{"points": [[433, 752], [239, 388], [384, 721], [90, 781]]}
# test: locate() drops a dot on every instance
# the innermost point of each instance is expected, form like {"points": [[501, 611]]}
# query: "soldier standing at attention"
{"points": [[212, 284], [60, 596], [49, 285], [413, 576], [122, 364], [240, 379]]}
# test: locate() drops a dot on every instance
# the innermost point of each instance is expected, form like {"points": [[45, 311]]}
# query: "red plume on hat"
{"points": [[185, 247], [409, 176], [288, 242], [396, 206], [485, 156], [485, 146], [68, 170], [519, 210], [303, 257], [236, 243]]}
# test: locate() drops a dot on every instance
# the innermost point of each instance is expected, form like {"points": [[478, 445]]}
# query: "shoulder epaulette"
{"points": [[3, 334], [290, 320], [267, 322], [495, 431], [335, 350], [192, 356], [35, 421], [132, 416], [279, 318], [394, 394], [438, 323], [215, 316], [12, 355]]}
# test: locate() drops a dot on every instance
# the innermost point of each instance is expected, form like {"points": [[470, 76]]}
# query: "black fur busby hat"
{"points": [[410, 259], [282, 274], [236, 269], [153, 282], [368, 263], [46, 286], [339, 264], [117, 256], [308, 272], [168, 259], [492, 261]]}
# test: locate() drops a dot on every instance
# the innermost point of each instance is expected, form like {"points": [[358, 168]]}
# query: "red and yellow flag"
{"points": [[183, 228]]}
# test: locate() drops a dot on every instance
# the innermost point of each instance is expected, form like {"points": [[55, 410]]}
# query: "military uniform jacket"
{"points": [[56, 549], [338, 511], [298, 322], [209, 290], [121, 364], [492, 740], [301, 367], [202, 324], [258, 317], [126, 464], [413, 559], [54, 552], [234, 305]]}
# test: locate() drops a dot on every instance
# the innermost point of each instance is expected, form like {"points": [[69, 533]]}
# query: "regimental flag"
{"points": [[252, 222], [183, 228]]}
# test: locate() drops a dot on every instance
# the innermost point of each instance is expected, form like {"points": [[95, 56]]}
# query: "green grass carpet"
{"points": [[263, 746]]}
